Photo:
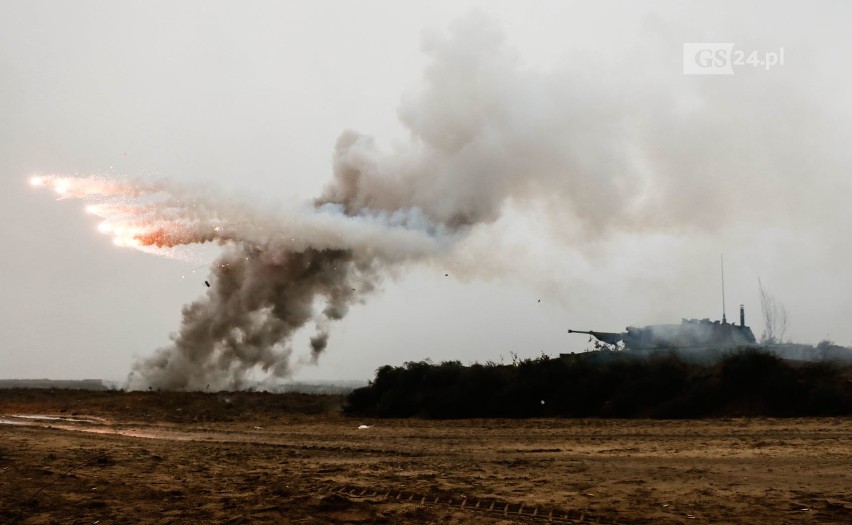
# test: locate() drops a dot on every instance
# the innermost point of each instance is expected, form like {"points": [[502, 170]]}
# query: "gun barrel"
{"points": [[606, 337]]}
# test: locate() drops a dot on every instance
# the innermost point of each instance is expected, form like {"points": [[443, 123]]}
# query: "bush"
{"points": [[607, 384]]}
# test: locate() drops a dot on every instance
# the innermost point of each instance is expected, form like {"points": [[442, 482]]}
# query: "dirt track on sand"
{"points": [[123, 463]]}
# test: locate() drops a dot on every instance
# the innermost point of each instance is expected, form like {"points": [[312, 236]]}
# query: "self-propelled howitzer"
{"points": [[690, 333]]}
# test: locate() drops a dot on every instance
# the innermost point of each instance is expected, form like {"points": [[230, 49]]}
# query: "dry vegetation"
{"points": [[263, 458]]}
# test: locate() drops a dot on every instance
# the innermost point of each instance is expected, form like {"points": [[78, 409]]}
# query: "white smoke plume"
{"points": [[485, 133]]}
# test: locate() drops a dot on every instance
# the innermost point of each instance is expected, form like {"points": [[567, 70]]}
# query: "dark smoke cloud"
{"points": [[260, 295]]}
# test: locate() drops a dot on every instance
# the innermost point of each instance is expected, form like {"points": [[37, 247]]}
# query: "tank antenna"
{"points": [[722, 260]]}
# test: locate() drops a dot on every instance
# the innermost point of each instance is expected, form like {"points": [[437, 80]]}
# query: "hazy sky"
{"points": [[641, 175]]}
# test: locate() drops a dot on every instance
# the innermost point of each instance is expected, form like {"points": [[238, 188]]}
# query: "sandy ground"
{"points": [[112, 465]]}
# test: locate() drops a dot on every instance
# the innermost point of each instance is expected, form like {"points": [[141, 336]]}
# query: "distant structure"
{"points": [[690, 333]]}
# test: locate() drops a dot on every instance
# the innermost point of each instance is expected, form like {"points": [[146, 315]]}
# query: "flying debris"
{"points": [[208, 284]]}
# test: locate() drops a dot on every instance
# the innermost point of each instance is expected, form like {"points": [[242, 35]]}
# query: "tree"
{"points": [[774, 317]]}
